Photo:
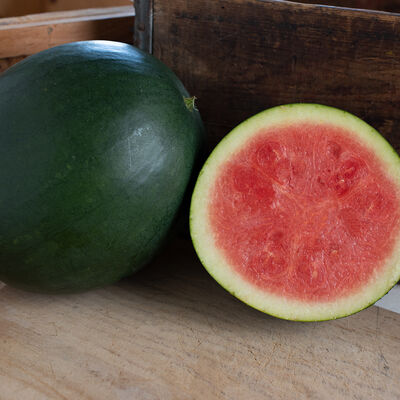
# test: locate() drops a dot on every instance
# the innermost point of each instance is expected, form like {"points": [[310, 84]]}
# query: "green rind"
{"points": [[96, 150], [369, 135]]}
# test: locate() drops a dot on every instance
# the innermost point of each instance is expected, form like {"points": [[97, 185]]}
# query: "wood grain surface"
{"points": [[64, 5], [23, 36], [380, 5], [6, 63], [13, 8], [171, 333], [242, 56]]}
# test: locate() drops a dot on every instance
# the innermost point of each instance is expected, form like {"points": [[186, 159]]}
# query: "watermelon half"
{"points": [[297, 213]]}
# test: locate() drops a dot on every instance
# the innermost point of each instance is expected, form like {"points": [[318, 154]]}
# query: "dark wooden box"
{"points": [[239, 57]]}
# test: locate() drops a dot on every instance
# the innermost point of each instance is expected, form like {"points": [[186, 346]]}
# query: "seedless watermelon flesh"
{"points": [[297, 213]]}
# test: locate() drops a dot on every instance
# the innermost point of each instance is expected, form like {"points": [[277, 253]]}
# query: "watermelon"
{"points": [[97, 146], [297, 213]]}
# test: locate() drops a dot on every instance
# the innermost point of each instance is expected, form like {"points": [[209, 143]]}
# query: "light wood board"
{"points": [[171, 332], [22, 36], [13, 8]]}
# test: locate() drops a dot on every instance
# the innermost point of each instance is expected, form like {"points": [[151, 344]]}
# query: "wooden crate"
{"points": [[28, 34], [242, 56]]}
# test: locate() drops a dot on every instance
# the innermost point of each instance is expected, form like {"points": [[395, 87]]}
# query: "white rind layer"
{"points": [[215, 262]]}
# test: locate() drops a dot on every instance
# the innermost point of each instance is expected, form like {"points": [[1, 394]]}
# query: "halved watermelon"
{"points": [[297, 213]]}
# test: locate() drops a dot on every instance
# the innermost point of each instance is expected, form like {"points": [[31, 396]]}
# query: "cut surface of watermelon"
{"points": [[297, 213]]}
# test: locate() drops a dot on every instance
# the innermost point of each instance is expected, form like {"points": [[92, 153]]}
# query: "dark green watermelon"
{"points": [[97, 147]]}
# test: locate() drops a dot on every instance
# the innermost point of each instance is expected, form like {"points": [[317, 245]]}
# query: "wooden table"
{"points": [[171, 332]]}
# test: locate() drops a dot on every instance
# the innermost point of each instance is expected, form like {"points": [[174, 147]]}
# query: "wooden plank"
{"points": [[242, 56], [381, 5], [65, 16], [64, 5], [13, 8], [10, 8], [6, 63], [30, 34], [171, 332], [143, 32]]}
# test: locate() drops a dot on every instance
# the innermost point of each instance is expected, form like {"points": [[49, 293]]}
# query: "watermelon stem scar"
{"points": [[190, 103], [297, 212]]}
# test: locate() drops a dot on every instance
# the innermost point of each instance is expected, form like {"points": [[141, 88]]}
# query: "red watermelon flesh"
{"points": [[297, 213], [305, 210]]}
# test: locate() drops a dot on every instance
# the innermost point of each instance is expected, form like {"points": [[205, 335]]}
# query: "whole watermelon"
{"points": [[97, 145]]}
